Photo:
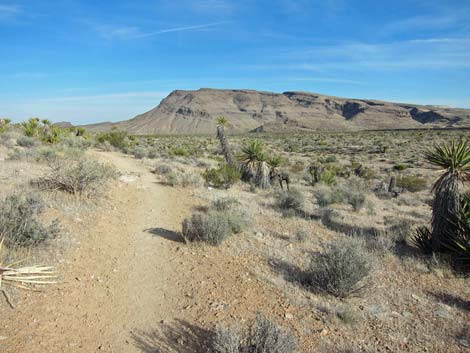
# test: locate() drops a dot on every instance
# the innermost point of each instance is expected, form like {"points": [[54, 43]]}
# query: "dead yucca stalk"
{"points": [[24, 277]]}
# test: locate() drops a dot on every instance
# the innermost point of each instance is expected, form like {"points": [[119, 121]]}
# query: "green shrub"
{"points": [[211, 228], [82, 177], [116, 138], [412, 183], [341, 270], [400, 167], [222, 177], [262, 336], [19, 221]]}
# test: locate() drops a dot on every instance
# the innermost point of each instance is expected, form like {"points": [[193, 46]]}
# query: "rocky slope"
{"points": [[195, 112]]}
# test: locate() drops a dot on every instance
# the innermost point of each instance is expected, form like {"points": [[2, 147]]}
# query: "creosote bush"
{"points": [[341, 270], [222, 177], [262, 336], [221, 220], [19, 223], [211, 228], [83, 176]]}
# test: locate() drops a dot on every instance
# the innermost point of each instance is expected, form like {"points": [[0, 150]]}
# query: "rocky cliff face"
{"points": [[195, 112]]}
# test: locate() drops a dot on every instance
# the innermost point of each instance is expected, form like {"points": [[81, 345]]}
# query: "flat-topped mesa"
{"points": [[196, 111]]}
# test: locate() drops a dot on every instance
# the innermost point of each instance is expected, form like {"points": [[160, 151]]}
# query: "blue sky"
{"points": [[86, 61]]}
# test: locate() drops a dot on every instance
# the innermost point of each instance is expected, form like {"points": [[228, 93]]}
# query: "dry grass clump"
{"points": [[184, 180], [291, 200], [262, 336], [80, 176], [342, 270], [353, 194], [19, 221]]}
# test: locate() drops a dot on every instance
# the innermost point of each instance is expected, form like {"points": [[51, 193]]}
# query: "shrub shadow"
{"points": [[290, 272], [451, 300], [179, 337], [167, 234]]}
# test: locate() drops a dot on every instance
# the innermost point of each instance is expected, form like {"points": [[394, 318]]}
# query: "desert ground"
{"points": [[130, 280]]}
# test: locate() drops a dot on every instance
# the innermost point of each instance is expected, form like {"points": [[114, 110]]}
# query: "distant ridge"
{"points": [[195, 112]]}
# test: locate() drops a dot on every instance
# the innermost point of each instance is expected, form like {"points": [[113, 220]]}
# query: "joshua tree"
{"points": [[221, 122], [454, 161], [254, 164]]}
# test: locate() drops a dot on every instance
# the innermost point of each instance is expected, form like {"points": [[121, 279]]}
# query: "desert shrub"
{"points": [[225, 204], [26, 141], [261, 336], [118, 139], [399, 167], [183, 179], [140, 152], [301, 235], [412, 183], [297, 167], [222, 177], [328, 177], [291, 200], [341, 270], [350, 194], [77, 142], [180, 152], [82, 177], [356, 200], [211, 228], [19, 221], [162, 169]]}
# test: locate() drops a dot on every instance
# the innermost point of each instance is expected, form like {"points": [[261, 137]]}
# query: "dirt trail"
{"points": [[119, 283]]}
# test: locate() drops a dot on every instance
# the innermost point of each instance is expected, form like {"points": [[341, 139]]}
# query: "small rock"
{"points": [[443, 312], [464, 342], [407, 314], [289, 316]]}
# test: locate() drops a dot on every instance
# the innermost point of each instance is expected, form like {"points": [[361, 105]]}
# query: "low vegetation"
{"points": [[261, 336], [342, 270], [84, 177], [20, 223]]}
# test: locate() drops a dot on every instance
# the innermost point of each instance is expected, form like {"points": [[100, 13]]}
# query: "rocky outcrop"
{"points": [[195, 112]]}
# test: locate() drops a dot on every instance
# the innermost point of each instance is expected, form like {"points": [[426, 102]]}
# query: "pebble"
{"points": [[289, 316]]}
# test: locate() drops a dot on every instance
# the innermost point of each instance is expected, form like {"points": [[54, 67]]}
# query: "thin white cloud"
{"points": [[442, 21], [104, 98], [326, 80], [9, 10], [133, 32], [181, 29], [418, 54]]}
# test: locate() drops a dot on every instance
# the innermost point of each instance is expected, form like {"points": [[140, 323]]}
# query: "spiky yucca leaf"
{"points": [[453, 158], [221, 120], [252, 153]]}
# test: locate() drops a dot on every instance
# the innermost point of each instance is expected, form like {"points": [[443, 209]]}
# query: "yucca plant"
{"points": [[454, 161], [457, 240], [31, 127], [221, 123], [254, 164]]}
